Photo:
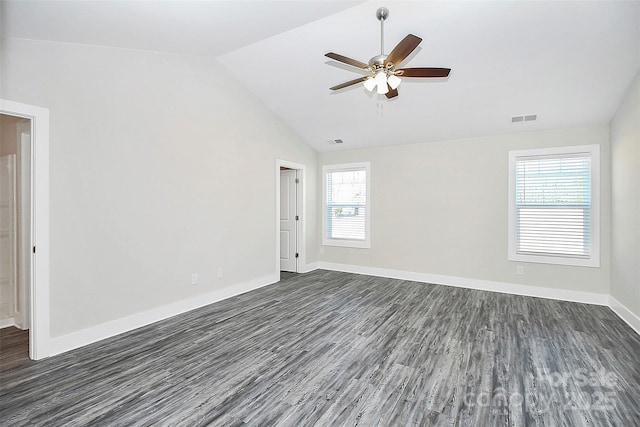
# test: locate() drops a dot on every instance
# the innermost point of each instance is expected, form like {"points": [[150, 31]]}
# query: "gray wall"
{"points": [[441, 208], [161, 166], [625, 194]]}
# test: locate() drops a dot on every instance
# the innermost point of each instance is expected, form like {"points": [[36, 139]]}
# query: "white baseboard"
{"points": [[625, 314], [310, 267], [483, 285], [90, 335], [5, 323], [19, 321], [509, 288], [87, 336]]}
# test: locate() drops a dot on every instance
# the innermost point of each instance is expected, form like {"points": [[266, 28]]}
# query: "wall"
{"points": [[161, 166], [625, 194], [442, 208]]}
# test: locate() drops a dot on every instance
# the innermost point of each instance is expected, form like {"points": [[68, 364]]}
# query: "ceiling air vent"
{"points": [[527, 118]]}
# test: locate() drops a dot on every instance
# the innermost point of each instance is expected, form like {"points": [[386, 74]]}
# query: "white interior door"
{"points": [[288, 221], [7, 240]]}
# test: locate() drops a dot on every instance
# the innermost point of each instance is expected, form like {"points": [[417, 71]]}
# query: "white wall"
{"points": [[625, 194], [441, 208], [162, 166]]}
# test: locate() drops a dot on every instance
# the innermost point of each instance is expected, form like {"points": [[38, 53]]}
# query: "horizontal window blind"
{"points": [[346, 204], [553, 205]]}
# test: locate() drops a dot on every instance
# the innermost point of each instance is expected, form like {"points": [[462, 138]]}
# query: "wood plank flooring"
{"points": [[14, 348], [337, 349]]}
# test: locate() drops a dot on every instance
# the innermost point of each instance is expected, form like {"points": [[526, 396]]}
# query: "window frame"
{"points": [[594, 256], [350, 243]]}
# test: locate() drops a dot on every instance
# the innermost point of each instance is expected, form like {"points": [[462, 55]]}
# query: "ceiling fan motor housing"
{"points": [[378, 61]]}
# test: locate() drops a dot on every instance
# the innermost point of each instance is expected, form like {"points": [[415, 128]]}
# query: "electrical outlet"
{"points": [[321, 250], [520, 269], [220, 272], [194, 279]]}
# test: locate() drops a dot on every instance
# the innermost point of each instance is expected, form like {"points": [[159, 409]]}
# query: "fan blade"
{"points": [[347, 61], [349, 83], [392, 92], [423, 72], [403, 49]]}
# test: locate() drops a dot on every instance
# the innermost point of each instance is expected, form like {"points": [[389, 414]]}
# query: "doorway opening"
{"points": [[290, 217], [25, 201], [15, 233]]}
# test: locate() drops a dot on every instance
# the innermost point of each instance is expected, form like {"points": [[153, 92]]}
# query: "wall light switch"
{"points": [[220, 272], [520, 269], [194, 279]]}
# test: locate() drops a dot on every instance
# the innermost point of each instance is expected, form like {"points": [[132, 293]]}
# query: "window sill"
{"points": [[360, 244], [543, 259]]}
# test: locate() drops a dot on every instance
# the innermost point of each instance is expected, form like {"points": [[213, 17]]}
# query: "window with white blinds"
{"points": [[346, 205], [554, 205]]}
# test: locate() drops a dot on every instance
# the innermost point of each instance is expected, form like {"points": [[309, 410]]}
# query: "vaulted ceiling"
{"points": [[568, 62]]}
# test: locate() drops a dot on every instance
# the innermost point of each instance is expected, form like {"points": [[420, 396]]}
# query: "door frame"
{"points": [[300, 207], [39, 332]]}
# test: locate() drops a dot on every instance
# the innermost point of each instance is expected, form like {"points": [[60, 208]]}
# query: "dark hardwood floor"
{"points": [[286, 275], [14, 348], [333, 349]]}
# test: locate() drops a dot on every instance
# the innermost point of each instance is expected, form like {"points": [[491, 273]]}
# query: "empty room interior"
{"points": [[329, 213]]}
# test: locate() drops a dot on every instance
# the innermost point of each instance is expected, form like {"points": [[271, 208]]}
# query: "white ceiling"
{"points": [[569, 62], [201, 27]]}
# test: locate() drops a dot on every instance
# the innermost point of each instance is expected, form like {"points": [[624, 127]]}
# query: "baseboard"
{"points": [[625, 314], [310, 267], [483, 285], [87, 336], [19, 321], [6, 323]]}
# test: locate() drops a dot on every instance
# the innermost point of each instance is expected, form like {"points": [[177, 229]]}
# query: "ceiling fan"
{"points": [[382, 68]]}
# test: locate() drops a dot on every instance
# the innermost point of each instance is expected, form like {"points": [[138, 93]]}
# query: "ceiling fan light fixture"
{"points": [[381, 81], [394, 81], [369, 84], [383, 89]]}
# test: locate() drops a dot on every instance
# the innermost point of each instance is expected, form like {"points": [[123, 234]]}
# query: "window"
{"points": [[346, 206], [554, 205]]}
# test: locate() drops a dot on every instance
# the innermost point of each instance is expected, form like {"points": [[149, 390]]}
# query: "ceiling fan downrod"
{"points": [[377, 63], [382, 13]]}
